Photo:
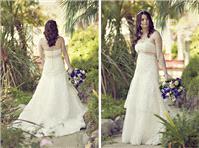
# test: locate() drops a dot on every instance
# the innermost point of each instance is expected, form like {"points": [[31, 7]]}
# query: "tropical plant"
{"points": [[118, 55], [174, 9], [180, 131], [16, 64], [80, 13], [12, 137]]}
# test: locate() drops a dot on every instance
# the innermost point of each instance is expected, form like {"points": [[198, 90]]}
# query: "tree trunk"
{"points": [[130, 21], [22, 37]]}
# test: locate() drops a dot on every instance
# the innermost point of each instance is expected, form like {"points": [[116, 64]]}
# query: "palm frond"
{"points": [[174, 9], [84, 12]]}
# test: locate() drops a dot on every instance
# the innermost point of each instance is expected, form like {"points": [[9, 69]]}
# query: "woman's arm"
{"points": [[66, 57], [41, 53], [160, 56]]}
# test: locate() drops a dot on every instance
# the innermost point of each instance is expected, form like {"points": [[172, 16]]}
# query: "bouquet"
{"points": [[77, 76], [172, 89]]}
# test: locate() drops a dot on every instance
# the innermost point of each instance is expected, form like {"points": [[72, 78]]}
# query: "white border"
{"points": [[99, 72]]}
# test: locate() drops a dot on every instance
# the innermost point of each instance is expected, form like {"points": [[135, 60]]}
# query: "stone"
{"points": [[106, 125], [85, 138], [114, 128], [91, 126], [119, 122], [94, 134]]}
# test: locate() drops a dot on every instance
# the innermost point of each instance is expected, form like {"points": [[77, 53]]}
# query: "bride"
{"points": [[55, 109], [144, 97]]}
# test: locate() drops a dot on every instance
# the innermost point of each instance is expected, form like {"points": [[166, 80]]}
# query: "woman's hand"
{"points": [[70, 69]]}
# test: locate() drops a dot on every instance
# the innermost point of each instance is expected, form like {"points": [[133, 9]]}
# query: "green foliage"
{"points": [[19, 96], [118, 56], [117, 67], [11, 137], [182, 130], [112, 108], [174, 50], [93, 107], [14, 138], [79, 12], [190, 72], [11, 98], [194, 49], [173, 10], [27, 11], [190, 76], [83, 52], [193, 88], [190, 79], [18, 68]]}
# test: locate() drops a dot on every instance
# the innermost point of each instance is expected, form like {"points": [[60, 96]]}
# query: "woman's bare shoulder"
{"points": [[156, 34], [60, 38]]}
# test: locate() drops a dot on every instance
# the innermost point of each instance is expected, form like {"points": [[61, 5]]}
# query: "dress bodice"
{"points": [[52, 53], [146, 46]]}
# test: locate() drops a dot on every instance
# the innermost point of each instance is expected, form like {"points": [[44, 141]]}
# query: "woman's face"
{"points": [[144, 21]]}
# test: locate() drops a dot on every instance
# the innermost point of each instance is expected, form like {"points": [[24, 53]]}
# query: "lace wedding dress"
{"points": [[55, 109], [144, 99]]}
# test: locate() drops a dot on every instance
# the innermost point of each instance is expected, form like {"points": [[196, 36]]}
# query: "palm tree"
{"points": [[118, 56], [174, 9], [17, 68], [20, 14], [80, 13], [167, 10]]}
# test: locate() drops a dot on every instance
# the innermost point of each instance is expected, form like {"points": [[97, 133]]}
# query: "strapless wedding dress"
{"points": [[144, 100], [55, 108]]}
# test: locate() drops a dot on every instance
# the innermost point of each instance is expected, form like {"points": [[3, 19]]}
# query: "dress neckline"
{"points": [[146, 40], [54, 49]]}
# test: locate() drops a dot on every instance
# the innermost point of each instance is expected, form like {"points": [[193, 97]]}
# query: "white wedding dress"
{"points": [[144, 100], [55, 107]]}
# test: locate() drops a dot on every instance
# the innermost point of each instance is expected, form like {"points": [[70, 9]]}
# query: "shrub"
{"points": [[181, 131], [190, 72], [93, 107], [11, 137], [190, 76], [190, 79], [83, 52], [194, 52], [10, 101], [20, 97], [112, 108], [14, 138], [193, 93]]}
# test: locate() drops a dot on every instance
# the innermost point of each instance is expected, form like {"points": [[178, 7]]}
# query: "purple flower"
{"points": [[164, 96], [77, 77], [172, 89]]}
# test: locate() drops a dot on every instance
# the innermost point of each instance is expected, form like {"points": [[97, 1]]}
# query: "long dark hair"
{"points": [[139, 33], [51, 32]]}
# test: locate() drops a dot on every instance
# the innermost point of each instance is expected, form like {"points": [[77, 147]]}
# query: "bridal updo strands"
{"points": [[51, 32], [139, 28]]}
